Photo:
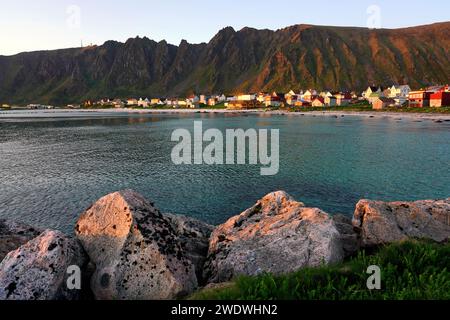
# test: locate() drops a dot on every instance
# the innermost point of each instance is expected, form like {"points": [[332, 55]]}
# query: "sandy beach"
{"points": [[368, 114]]}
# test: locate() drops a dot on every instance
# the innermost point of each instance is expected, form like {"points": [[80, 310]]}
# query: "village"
{"points": [[375, 97]]}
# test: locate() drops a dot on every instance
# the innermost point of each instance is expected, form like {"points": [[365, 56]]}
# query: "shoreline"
{"points": [[370, 114]]}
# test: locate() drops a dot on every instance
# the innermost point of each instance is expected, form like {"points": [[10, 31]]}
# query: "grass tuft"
{"points": [[412, 270]]}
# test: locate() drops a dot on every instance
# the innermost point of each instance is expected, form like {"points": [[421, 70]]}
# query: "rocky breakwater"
{"points": [[127, 249]]}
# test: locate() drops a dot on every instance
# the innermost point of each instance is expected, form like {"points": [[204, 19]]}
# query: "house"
{"points": [[419, 98], [260, 97], [325, 94], [290, 97], [193, 98], [330, 101], [155, 101], [182, 103], [382, 103], [117, 103], [203, 99], [440, 99], [372, 89], [274, 100], [399, 91], [221, 98], [374, 96], [318, 102], [246, 97], [132, 102], [343, 99], [212, 101], [309, 95], [143, 103]]}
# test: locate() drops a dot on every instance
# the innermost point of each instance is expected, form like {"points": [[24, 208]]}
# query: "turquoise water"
{"points": [[51, 169]]}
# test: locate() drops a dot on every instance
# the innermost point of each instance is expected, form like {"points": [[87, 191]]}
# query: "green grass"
{"points": [[409, 270], [366, 107]]}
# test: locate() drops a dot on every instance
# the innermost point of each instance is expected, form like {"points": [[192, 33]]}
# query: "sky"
{"points": [[28, 25]]}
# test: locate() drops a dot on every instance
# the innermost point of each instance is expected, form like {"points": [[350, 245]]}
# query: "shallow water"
{"points": [[51, 169]]}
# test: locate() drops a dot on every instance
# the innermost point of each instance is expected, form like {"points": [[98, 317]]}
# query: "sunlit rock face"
{"points": [[135, 249], [381, 222], [38, 269], [277, 235]]}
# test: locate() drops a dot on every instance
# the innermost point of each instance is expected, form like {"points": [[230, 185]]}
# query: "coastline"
{"points": [[368, 114]]}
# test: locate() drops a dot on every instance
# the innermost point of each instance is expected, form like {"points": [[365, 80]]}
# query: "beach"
{"points": [[368, 114]]}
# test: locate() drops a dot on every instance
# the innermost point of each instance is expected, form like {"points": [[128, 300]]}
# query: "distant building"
{"points": [[212, 101], [399, 91], [132, 102], [440, 99], [143, 103], [370, 90], [343, 99], [155, 101], [330, 101], [419, 99], [318, 102], [246, 97], [382, 103]]}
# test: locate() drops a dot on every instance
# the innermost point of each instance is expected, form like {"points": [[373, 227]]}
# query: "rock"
{"points": [[38, 269], [385, 222], [13, 235], [194, 236], [137, 254], [348, 235], [277, 235]]}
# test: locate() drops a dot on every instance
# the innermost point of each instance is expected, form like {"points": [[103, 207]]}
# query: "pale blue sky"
{"points": [[27, 25]]}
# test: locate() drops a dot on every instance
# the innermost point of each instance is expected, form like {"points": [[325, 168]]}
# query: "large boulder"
{"points": [[385, 222], [38, 269], [137, 254], [194, 237], [277, 235], [13, 235]]}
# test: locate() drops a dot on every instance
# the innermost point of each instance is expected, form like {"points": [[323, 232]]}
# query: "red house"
{"points": [[440, 98], [419, 99]]}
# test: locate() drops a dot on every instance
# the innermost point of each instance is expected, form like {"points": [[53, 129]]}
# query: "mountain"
{"points": [[299, 56]]}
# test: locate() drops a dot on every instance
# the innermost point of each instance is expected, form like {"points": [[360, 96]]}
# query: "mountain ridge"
{"points": [[298, 56]]}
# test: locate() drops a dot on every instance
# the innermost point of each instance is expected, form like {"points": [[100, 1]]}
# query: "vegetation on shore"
{"points": [[409, 270], [366, 107]]}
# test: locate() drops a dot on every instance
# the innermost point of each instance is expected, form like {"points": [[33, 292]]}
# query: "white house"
{"points": [[246, 97], [399, 91], [372, 89], [143, 103]]}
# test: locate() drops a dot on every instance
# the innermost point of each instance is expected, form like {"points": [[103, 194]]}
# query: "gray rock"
{"points": [[277, 235], [38, 269], [137, 254], [385, 222], [194, 237], [349, 237], [13, 235]]}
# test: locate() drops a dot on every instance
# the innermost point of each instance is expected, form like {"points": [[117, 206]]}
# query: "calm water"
{"points": [[52, 169]]}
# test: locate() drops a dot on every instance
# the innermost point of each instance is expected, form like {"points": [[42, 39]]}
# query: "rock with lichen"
{"points": [[14, 234], [135, 249], [38, 269], [194, 237], [277, 235], [381, 222]]}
